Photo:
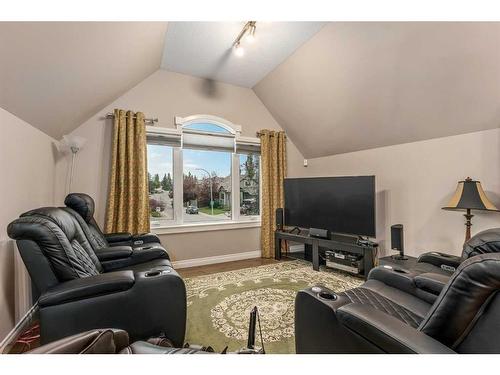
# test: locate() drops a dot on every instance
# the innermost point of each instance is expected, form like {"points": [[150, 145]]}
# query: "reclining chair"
{"points": [[107, 341], [131, 289], [390, 313], [487, 241], [84, 205]]}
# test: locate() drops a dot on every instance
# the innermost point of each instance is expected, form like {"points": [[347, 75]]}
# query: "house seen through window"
{"points": [[212, 165]]}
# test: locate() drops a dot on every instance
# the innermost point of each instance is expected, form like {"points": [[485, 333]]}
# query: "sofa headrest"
{"points": [[81, 203], [487, 241], [63, 239], [58, 216]]}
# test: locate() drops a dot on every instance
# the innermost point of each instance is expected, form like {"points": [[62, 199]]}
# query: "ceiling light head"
{"points": [[238, 50]]}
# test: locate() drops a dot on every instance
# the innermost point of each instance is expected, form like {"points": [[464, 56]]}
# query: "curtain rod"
{"points": [[272, 135], [146, 120]]}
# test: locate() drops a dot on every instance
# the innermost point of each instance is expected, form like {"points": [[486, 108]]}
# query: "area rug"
{"points": [[219, 304]]}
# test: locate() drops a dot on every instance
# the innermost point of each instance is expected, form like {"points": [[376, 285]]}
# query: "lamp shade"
{"points": [[470, 195]]}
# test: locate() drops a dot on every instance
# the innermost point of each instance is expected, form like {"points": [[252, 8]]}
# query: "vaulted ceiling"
{"points": [[355, 86], [55, 75], [334, 88]]}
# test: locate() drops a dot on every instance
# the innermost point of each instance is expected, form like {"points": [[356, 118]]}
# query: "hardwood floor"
{"points": [[222, 267]]}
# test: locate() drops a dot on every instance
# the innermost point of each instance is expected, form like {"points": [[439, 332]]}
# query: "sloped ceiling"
{"points": [[356, 86], [55, 75], [205, 49]]}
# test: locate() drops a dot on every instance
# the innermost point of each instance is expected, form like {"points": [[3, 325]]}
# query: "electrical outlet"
{"points": [[305, 162]]}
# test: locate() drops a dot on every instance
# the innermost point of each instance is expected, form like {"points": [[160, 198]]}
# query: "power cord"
{"points": [[260, 333]]}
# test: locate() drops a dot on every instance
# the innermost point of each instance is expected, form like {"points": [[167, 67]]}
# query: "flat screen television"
{"points": [[344, 205]]}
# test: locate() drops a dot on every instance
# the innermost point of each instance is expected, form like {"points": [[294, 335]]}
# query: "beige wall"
{"points": [[415, 180], [28, 168], [166, 95]]}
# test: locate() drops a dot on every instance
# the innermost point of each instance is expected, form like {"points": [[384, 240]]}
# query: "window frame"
{"points": [[237, 221]]}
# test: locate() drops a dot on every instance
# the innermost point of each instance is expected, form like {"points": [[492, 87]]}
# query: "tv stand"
{"points": [[344, 243]]}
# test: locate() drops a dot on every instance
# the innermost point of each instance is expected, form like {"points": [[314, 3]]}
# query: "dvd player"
{"points": [[345, 261]]}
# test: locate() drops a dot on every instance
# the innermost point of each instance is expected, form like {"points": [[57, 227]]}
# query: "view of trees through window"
{"points": [[160, 184], [206, 185], [207, 182], [249, 184]]}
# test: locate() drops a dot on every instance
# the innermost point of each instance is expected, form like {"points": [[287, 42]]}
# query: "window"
{"points": [[249, 184], [203, 172], [160, 184], [207, 185]]}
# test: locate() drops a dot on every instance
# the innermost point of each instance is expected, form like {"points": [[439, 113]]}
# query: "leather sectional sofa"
{"points": [[405, 311], [82, 285], [84, 205], [107, 341], [446, 264]]}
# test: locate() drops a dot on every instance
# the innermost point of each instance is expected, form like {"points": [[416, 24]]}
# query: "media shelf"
{"points": [[340, 243]]}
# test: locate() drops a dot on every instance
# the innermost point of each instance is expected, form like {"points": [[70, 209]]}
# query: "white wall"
{"points": [[27, 167], [413, 182], [166, 95]]}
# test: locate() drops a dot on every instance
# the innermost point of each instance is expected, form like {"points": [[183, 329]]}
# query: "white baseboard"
{"points": [[216, 259], [21, 325]]}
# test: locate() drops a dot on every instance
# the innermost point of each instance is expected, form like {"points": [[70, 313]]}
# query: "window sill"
{"points": [[206, 227]]}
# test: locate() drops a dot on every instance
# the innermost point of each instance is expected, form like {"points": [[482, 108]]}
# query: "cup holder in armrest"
{"points": [[154, 273], [327, 295], [400, 270]]}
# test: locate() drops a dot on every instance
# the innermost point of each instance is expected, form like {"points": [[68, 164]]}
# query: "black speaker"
{"points": [[397, 241], [279, 219], [320, 233]]}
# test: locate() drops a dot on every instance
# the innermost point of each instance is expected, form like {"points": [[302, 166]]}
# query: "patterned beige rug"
{"points": [[219, 304]]}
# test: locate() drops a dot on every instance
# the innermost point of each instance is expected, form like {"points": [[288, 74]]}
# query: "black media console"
{"points": [[337, 243]]}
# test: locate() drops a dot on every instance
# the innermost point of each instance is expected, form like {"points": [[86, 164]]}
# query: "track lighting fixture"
{"points": [[248, 30], [251, 33]]}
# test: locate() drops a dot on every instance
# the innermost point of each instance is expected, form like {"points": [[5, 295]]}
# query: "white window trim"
{"points": [[181, 122], [206, 226], [237, 222]]}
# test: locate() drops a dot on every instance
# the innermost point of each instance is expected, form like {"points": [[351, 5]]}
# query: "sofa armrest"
{"points": [[118, 237], [444, 261], [136, 257], [395, 277], [115, 252], [386, 332], [96, 341], [145, 238], [431, 282], [87, 287]]}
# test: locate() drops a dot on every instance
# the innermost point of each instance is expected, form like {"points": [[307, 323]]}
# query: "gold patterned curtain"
{"points": [[128, 202], [273, 161]]}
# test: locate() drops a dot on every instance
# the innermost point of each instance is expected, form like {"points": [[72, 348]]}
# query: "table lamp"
{"points": [[469, 196]]}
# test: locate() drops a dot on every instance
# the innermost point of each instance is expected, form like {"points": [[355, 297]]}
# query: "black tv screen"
{"points": [[340, 204]]}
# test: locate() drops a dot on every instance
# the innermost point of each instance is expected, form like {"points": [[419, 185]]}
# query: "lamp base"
{"points": [[468, 224], [399, 257]]}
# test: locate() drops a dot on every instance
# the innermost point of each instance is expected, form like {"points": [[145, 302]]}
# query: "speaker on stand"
{"points": [[280, 225], [397, 241]]}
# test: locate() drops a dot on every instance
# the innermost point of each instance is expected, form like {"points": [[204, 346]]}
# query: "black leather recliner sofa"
{"points": [[81, 289], [487, 241], [393, 313], [84, 205], [107, 341]]}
